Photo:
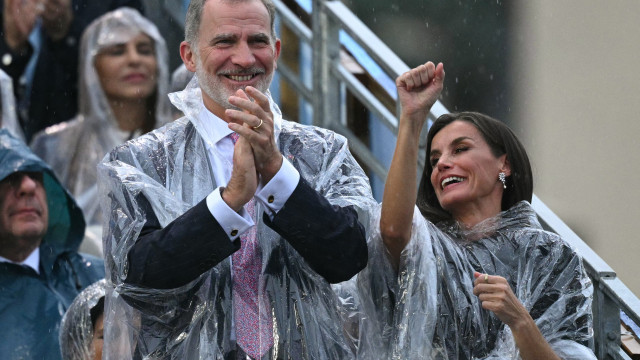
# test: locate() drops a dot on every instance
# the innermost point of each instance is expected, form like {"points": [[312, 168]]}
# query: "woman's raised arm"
{"points": [[418, 90]]}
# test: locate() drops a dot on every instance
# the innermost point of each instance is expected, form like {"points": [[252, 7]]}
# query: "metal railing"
{"points": [[610, 294], [331, 23]]}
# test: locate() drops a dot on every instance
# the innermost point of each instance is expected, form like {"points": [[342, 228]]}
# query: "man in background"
{"points": [[41, 271]]}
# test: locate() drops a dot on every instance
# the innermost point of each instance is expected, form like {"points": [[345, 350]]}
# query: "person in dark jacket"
{"points": [[39, 47], [41, 271]]}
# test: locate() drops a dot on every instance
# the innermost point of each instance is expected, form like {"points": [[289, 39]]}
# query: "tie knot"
{"points": [[234, 137]]}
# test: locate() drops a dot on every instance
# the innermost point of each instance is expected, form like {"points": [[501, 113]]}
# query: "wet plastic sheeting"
{"points": [[171, 169], [430, 312]]}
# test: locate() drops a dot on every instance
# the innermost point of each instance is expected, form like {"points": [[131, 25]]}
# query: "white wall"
{"points": [[576, 76]]}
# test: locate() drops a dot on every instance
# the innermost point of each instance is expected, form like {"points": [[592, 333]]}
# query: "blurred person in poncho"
{"points": [[123, 94]]}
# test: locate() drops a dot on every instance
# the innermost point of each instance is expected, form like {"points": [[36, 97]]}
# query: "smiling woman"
{"points": [[475, 148], [468, 271], [123, 87]]}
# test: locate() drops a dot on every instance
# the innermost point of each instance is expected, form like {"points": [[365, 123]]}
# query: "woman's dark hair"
{"points": [[501, 140]]}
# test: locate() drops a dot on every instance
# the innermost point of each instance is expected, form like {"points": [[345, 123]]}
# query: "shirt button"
{"points": [[7, 59], [270, 199], [234, 232]]}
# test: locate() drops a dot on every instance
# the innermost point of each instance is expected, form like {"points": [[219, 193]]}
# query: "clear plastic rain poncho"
{"points": [[170, 167], [74, 148], [76, 330], [9, 118], [429, 310]]}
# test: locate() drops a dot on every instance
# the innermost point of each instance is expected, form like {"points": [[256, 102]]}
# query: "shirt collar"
{"points": [[212, 128], [32, 261]]}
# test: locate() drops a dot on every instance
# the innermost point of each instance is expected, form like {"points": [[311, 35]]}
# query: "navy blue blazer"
{"points": [[330, 239]]}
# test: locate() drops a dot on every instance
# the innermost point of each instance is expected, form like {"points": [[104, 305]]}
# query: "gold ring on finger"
{"points": [[258, 127], [486, 278]]}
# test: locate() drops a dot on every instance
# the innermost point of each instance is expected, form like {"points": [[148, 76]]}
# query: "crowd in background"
{"points": [[77, 79]]}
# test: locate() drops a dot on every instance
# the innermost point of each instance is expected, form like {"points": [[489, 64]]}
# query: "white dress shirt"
{"points": [[32, 261]]}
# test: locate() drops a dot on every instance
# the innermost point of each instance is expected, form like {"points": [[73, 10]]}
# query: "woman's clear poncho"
{"points": [[170, 167], [429, 310], [75, 147], [76, 330]]}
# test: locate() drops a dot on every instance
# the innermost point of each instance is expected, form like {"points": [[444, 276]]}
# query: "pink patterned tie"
{"points": [[253, 322]]}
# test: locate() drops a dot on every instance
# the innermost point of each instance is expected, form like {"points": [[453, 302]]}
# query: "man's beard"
{"points": [[218, 92]]}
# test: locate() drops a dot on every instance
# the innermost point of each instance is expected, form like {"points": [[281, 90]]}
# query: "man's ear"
{"points": [[276, 53], [188, 56]]}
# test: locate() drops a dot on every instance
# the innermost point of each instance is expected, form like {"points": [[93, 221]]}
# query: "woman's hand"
{"points": [[419, 88], [496, 296]]}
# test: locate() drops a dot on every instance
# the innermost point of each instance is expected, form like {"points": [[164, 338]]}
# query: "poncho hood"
{"points": [[66, 224], [118, 27], [76, 329]]}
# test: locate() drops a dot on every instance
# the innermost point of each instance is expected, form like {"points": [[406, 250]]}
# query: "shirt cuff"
{"points": [[275, 194], [232, 223]]}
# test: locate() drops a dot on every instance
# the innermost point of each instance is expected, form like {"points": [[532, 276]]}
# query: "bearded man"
{"points": [[229, 225]]}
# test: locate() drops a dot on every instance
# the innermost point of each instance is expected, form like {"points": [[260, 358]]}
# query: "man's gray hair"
{"points": [[194, 17]]}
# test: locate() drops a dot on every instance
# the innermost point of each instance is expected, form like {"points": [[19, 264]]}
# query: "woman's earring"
{"points": [[503, 177]]}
